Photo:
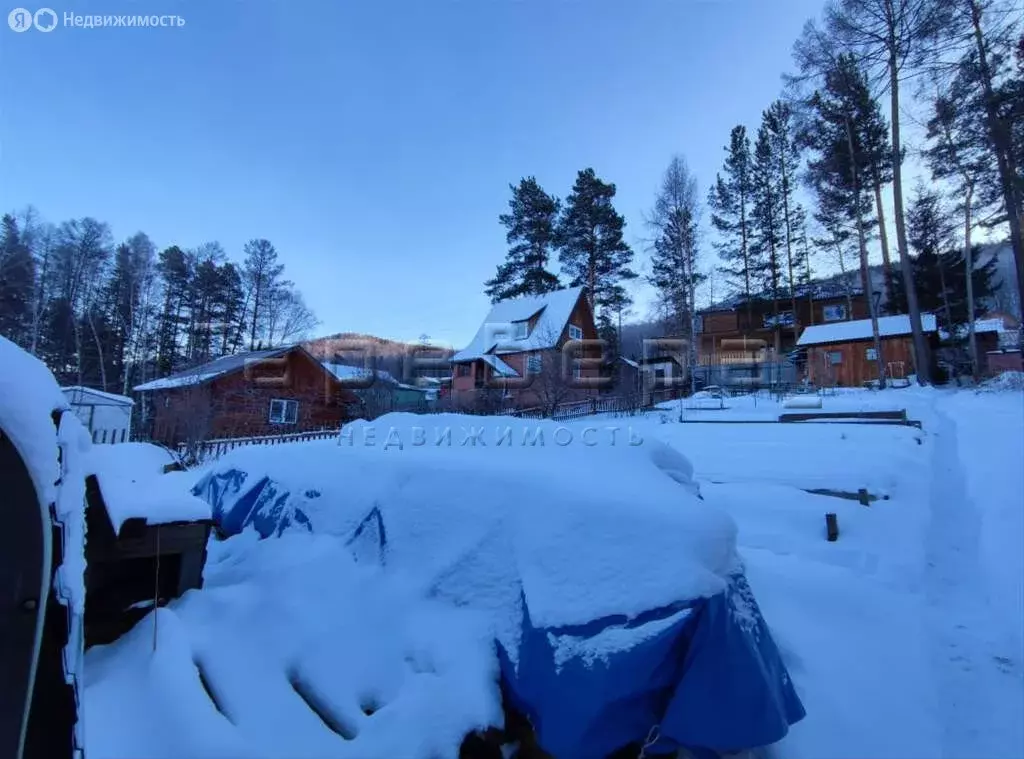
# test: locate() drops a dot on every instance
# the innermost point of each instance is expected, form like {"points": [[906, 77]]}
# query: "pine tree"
{"points": [[837, 174], [886, 37], [175, 272], [531, 224], [592, 250], [731, 200], [781, 132], [769, 223], [17, 281]]}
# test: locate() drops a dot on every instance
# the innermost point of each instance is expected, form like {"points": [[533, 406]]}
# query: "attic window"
{"points": [[522, 329], [575, 333]]}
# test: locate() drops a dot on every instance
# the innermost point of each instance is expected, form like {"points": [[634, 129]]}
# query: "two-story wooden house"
{"points": [[517, 353]]}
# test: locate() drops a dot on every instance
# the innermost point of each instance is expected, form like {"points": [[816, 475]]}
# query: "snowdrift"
{"points": [[613, 592]]}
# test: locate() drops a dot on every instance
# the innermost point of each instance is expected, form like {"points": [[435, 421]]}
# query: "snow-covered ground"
{"points": [[904, 637]]}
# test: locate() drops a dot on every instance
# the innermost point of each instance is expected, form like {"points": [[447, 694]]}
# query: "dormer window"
{"points": [[575, 333], [521, 329]]}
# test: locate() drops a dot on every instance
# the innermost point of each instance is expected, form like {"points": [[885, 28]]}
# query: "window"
{"points": [[871, 354], [575, 333], [464, 370], [698, 324], [284, 412], [577, 372], [521, 329], [834, 313], [835, 357], [533, 363]]}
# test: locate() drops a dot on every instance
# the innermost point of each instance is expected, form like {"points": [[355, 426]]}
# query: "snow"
{"points": [[497, 334], [197, 375], [30, 395], [911, 622], [904, 637], [296, 610], [499, 366], [134, 485], [860, 329], [91, 396]]}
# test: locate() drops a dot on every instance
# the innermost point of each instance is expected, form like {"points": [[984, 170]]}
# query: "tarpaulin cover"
{"points": [[705, 671]]}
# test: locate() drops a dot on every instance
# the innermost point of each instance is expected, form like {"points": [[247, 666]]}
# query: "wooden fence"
{"points": [[578, 409], [213, 449]]}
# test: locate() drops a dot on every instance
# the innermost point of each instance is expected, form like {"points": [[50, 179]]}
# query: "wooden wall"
{"points": [[238, 404], [854, 368]]}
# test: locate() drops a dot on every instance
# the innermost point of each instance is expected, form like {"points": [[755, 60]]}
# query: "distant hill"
{"points": [[354, 348]]}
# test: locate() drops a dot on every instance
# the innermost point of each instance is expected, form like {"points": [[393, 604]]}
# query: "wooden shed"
{"points": [[136, 562], [843, 353]]}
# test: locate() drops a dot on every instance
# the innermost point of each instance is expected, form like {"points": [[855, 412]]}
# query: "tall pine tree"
{"points": [[592, 250], [769, 237], [731, 199], [839, 172], [531, 224]]}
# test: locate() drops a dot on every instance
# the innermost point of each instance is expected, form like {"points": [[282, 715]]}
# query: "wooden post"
{"points": [[831, 527], [862, 496], [156, 588]]}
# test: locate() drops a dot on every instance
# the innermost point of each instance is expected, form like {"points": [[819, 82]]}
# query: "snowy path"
{"points": [[978, 677]]}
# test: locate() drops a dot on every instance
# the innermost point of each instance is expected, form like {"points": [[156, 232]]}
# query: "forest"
{"points": [[113, 315]]}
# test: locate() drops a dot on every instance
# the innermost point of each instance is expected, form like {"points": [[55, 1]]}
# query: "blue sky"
{"points": [[373, 142]]}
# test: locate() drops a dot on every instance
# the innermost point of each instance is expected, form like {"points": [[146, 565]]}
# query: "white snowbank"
{"points": [[29, 395], [133, 484], [295, 610], [593, 524]]}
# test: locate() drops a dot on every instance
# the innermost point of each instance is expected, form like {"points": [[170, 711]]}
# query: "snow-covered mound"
{"points": [[293, 650], [590, 524], [134, 486]]}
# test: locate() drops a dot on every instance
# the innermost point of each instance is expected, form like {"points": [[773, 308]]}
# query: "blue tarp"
{"points": [[705, 671]]}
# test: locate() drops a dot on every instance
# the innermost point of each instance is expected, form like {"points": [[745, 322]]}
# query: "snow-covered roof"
{"points": [[345, 372], [860, 329], [629, 362], [499, 366], [197, 375], [989, 324], [78, 395], [497, 333]]}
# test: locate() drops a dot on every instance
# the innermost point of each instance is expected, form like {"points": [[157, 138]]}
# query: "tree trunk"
{"points": [[921, 358], [863, 247], [883, 236], [1002, 146], [972, 343], [99, 348]]}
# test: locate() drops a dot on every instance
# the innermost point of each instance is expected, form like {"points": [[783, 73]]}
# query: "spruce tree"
{"points": [[531, 224], [730, 200], [592, 250]]}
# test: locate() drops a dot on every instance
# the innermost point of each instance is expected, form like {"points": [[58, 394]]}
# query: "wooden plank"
{"points": [[831, 527]]}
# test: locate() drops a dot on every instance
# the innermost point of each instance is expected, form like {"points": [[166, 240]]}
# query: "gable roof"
{"points": [[497, 335], [203, 373], [860, 329], [90, 396]]}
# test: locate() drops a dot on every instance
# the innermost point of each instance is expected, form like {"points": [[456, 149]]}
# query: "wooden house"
{"points": [[843, 353], [516, 354], [257, 393], [734, 331]]}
